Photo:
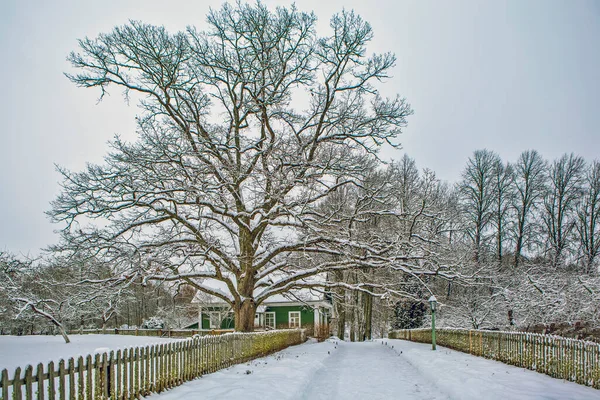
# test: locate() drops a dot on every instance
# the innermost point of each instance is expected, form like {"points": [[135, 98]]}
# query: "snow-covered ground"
{"points": [[373, 370], [330, 370], [284, 375], [463, 376], [19, 351]]}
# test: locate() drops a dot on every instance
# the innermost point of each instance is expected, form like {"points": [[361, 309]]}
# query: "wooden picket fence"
{"points": [[140, 371], [564, 358]]}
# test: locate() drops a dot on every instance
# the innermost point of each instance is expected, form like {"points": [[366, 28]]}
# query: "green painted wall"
{"points": [[307, 315]]}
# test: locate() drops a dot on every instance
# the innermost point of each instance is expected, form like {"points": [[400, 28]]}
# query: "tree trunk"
{"points": [[511, 320], [355, 331], [63, 333], [352, 323], [500, 243], [244, 316], [341, 323], [518, 251], [340, 307], [368, 311], [50, 318], [246, 311], [476, 254]]}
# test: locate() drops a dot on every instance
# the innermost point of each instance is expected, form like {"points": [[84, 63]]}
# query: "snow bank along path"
{"points": [[373, 370], [463, 376], [20, 351]]}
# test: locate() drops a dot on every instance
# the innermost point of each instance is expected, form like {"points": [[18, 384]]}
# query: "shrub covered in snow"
{"points": [[153, 323]]}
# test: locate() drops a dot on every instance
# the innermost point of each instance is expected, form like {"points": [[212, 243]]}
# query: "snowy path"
{"points": [[370, 371]]}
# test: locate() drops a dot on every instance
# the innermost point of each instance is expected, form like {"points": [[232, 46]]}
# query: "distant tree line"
{"points": [[532, 209], [51, 295], [510, 245], [531, 227]]}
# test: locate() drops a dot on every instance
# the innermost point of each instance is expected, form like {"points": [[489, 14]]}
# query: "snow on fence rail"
{"points": [[139, 371], [563, 358], [176, 333]]}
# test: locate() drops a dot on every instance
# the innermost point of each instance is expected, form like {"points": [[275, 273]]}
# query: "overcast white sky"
{"points": [[502, 75]]}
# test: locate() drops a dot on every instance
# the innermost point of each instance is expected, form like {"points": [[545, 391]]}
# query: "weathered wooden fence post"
{"points": [[61, 380], [29, 382], [17, 393], [4, 382], [40, 381], [51, 386]]}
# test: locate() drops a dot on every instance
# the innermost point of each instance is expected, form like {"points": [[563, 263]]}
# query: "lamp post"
{"points": [[432, 302]]}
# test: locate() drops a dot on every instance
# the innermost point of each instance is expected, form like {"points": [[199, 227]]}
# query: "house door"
{"points": [[258, 319], [270, 320], [294, 318]]}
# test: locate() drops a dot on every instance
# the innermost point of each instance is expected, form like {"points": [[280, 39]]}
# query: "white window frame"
{"points": [[274, 319], [290, 319], [211, 315]]}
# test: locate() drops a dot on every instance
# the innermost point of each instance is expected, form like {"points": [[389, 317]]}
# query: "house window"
{"points": [[294, 318], [270, 319], [214, 320]]}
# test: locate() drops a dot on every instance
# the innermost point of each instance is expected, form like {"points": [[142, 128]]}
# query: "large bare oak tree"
{"points": [[247, 126]]}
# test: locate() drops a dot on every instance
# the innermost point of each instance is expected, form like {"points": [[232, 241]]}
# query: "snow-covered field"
{"points": [[19, 351], [372, 370]]}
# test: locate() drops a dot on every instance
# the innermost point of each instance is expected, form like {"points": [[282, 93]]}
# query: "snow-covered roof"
{"points": [[304, 295]]}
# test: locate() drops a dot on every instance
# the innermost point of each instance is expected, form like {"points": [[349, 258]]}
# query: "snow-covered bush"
{"points": [[153, 323]]}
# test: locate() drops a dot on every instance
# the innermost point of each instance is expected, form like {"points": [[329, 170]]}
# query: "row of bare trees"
{"points": [[532, 208], [531, 233]]}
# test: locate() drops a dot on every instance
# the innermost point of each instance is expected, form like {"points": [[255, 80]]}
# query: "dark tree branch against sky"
{"points": [[507, 76]]}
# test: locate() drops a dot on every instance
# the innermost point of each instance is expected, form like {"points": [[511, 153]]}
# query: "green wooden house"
{"points": [[301, 309]]}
